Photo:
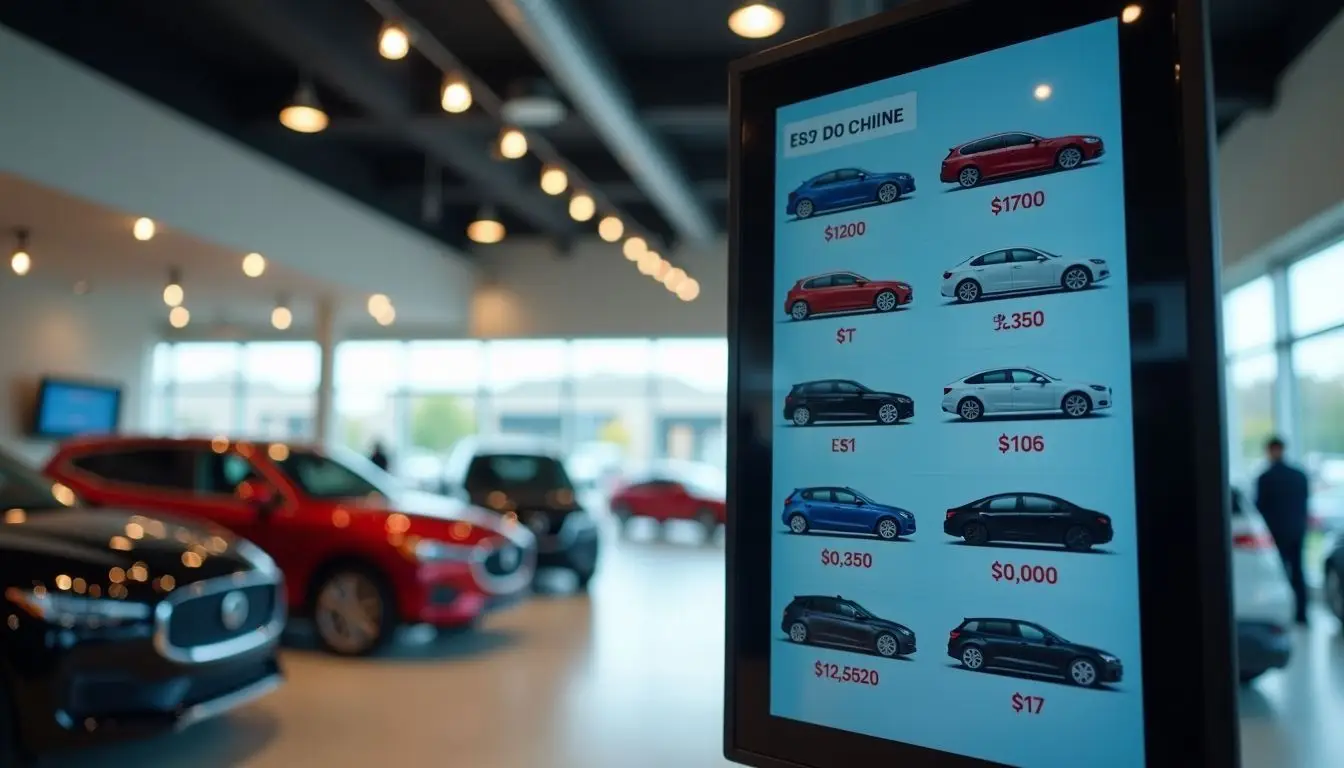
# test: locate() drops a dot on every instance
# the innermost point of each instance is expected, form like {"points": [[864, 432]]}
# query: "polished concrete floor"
{"points": [[630, 676]]}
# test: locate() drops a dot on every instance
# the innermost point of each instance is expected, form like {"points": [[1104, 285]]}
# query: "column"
{"points": [[324, 332]]}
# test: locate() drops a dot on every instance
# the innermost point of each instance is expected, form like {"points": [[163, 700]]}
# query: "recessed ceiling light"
{"points": [[582, 207], [610, 228], [254, 265], [1043, 92], [393, 42], [755, 20], [178, 317], [304, 114], [512, 143], [143, 229], [378, 302], [554, 180], [487, 229], [455, 96], [1131, 14]]}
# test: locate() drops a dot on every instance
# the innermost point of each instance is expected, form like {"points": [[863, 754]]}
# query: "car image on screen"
{"points": [[1007, 154], [1022, 392], [846, 187], [844, 510], [1018, 270], [841, 623], [843, 400], [1034, 518], [1014, 645], [844, 292]]}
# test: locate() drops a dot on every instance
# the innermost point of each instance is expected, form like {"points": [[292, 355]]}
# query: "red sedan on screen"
{"points": [[1005, 154], [360, 554], [673, 491], [844, 292]]}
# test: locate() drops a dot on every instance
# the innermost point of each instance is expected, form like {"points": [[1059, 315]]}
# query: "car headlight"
{"points": [[1096, 387], [431, 551], [62, 608], [1109, 659], [1091, 140], [903, 399], [1097, 261]]}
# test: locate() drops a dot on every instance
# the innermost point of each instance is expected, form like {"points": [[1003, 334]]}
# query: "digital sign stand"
{"points": [[977, 484]]}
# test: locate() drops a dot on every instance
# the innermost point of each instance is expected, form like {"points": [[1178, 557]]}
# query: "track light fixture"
{"points": [[173, 295], [486, 229], [554, 180], [281, 316], [20, 261], [304, 113], [455, 95], [393, 41]]}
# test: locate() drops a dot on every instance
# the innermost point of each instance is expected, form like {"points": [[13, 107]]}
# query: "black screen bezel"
{"points": [[1180, 456]]}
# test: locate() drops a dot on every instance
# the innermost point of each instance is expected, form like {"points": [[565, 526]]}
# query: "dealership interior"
{"points": [[395, 228]]}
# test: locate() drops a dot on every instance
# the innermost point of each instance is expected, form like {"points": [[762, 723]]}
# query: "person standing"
{"points": [[379, 456], [1281, 496]]}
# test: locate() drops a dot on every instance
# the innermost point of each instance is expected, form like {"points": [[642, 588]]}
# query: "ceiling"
{"points": [[646, 83]]}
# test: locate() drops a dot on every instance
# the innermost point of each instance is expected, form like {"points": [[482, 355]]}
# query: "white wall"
{"points": [[528, 289], [1281, 174]]}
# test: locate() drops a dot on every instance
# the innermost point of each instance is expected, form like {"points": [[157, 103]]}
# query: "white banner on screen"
{"points": [[873, 120]]}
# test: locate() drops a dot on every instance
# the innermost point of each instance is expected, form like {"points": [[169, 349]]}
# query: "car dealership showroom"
{"points": [[367, 384]]}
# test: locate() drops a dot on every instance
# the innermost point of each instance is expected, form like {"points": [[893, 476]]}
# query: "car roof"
{"points": [[995, 135], [828, 274]]}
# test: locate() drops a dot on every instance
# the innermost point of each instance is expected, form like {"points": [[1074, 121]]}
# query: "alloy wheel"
{"points": [[798, 311], [349, 613], [801, 416], [1075, 279], [887, 645], [969, 410], [888, 414], [972, 658], [1070, 158], [1076, 405], [968, 177], [798, 632], [798, 524], [1078, 537], [887, 193], [1083, 672], [888, 529], [968, 291], [804, 209], [886, 301]]}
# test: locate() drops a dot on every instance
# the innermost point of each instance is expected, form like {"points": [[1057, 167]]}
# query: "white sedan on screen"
{"points": [[1022, 391], [1010, 270]]}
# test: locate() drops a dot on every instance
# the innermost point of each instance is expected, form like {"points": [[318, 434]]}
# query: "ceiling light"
{"points": [[178, 317], [387, 316], [532, 103], [304, 114], [456, 94], [172, 292], [378, 303], [143, 229], [554, 180], [512, 143], [254, 264], [755, 20], [660, 271], [648, 262], [634, 248], [674, 278], [582, 207], [1131, 14], [1043, 91], [281, 317], [487, 228], [610, 229], [393, 42], [688, 290], [20, 261]]}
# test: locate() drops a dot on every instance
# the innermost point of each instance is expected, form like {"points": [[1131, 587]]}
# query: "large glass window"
{"points": [[1248, 316], [263, 390], [1251, 410], [527, 383], [1314, 285]]}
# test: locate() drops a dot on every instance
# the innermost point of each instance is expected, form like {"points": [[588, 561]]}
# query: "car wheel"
{"points": [[972, 658], [798, 632], [888, 413], [1075, 279], [804, 209], [1334, 591], [1076, 405], [802, 416], [798, 523], [887, 645], [1078, 538], [1069, 158], [888, 193], [970, 409], [975, 533], [799, 310], [354, 612], [969, 177], [968, 291], [885, 301], [888, 529], [709, 521], [1083, 672]]}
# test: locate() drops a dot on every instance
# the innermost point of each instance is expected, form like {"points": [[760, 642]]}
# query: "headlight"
{"points": [[61, 608], [904, 631], [430, 551], [1109, 659], [902, 399], [1096, 387], [1091, 140]]}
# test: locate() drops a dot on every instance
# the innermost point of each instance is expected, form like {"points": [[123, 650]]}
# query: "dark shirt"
{"points": [[379, 460], [1281, 497]]}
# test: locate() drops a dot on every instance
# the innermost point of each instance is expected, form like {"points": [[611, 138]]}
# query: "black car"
{"points": [[842, 623], [527, 479], [119, 625], [844, 400], [1035, 518], [1334, 578], [1022, 646]]}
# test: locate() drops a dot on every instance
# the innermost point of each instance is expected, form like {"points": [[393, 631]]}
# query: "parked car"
{"points": [[844, 400], [1262, 597], [1014, 645], [1022, 391], [673, 490], [845, 187], [844, 510], [835, 621], [844, 292], [1035, 518], [120, 625], [525, 480], [360, 552], [1018, 269], [1005, 154], [1334, 576]]}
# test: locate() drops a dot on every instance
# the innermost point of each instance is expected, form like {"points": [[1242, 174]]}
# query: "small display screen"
{"points": [[954, 547], [68, 408]]}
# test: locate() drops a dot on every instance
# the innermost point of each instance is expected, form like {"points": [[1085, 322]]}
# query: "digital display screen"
{"points": [[954, 556], [66, 408]]}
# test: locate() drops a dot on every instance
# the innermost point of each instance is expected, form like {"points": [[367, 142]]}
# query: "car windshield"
{"points": [[326, 477], [1052, 255], [22, 487], [517, 473]]}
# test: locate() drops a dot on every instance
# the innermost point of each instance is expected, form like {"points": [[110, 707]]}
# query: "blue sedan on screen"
{"points": [[844, 510], [847, 187]]}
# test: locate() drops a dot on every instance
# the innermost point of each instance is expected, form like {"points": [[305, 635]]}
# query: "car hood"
{"points": [[431, 515], [887, 394], [887, 624], [1092, 649], [890, 508]]}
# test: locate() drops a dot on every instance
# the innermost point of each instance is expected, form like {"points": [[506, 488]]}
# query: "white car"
{"points": [[1013, 391], [1262, 598], [1010, 270]]}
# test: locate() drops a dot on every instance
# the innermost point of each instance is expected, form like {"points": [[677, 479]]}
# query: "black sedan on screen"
{"points": [[841, 623], [1034, 518], [844, 400], [118, 625]]}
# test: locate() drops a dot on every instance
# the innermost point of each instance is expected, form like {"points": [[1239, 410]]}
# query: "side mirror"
{"points": [[1040, 257], [860, 502], [860, 283], [863, 175]]}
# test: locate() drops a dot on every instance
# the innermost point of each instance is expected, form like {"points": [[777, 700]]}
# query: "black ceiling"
{"points": [[233, 63]]}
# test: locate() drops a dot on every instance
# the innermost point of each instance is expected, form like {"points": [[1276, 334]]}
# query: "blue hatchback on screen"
{"points": [[845, 187], [844, 510]]}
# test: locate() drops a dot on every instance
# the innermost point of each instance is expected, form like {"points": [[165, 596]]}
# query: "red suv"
{"points": [[360, 554], [844, 292], [1006, 154]]}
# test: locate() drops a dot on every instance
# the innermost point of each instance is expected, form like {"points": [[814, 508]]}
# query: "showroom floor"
{"points": [[629, 676]]}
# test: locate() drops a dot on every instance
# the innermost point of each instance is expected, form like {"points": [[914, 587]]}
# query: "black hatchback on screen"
{"points": [[1034, 518], [835, 621], [1022, 646], [844, 400]]}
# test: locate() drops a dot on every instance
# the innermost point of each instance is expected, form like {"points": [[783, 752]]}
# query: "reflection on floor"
{"points": [[630, 676]]}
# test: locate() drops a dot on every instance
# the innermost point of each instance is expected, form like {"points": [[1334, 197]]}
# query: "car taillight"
{"points": [[1104, 521], [950, 513], [1252, 541], [947, 390], [788, 398], [789, 499], [947, 275], [954, 634]]}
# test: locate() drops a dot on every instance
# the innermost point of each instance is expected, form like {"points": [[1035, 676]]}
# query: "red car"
{"points": [[673, 491], [359, 554], [1006, 154], [844, 292]]}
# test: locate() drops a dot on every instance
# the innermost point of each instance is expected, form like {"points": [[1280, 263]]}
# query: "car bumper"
{"points": [[1261, 646], [1111, 672], [948, 175], [907, 185], [905, 410], [949, 403], [949, 289], [907, 645], [1097, 150], [454, 594]]}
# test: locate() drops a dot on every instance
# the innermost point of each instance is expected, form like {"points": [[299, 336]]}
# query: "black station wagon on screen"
{"points": [[1033, 518], [1022, 646], [844, 400], [835, 621]]}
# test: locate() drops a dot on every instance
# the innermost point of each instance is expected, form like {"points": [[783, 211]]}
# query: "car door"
{"points": [[995, 390], [850, 629], [826, 191], [1040, 652], [1018, 153], [827, 622], [850, 401], [850, 186], [150, 479], [820, 294], [1030, 270], [1044, 518], [849, 511], [1001, 515], [1001, 643], [828, 402], [846, 293], [993, 271], [993, 156], [1031, 391], [218, 477]]}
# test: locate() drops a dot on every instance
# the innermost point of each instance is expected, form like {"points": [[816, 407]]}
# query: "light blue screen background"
{"points": [[933, 462]]}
